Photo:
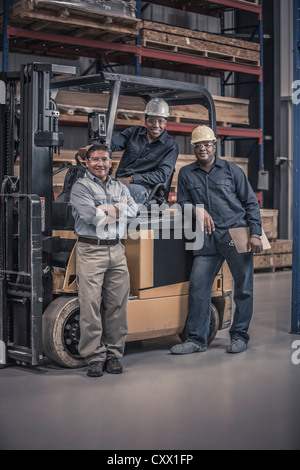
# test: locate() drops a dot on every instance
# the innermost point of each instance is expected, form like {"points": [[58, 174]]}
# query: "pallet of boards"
{"points": [[279, 256], [211, 46], [74, 107], [107, 21]]}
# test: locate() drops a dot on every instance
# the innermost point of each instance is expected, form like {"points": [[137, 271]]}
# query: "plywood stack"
{"points": [[211, 46]]}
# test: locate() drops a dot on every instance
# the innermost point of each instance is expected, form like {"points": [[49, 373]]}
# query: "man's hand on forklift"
{"points": [[128, 180], [206, 221]]}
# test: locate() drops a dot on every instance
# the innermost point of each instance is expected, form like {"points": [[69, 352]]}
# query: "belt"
{"points": [[97, 241]]}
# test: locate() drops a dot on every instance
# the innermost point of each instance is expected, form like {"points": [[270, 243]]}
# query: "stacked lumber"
{"points": [[211, 46], [74, 107], [107, 21], [228, 111]]}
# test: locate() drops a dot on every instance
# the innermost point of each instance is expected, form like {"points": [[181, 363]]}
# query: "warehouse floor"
{"points": [[210, 400]]}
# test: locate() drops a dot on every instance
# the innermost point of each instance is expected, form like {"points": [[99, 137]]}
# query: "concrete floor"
{"points": [[210, 400]]}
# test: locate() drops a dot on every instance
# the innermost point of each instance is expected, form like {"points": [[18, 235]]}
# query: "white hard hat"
{"points": [[157, 107]]}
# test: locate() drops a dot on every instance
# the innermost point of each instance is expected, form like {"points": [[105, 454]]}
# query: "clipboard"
{"points": [[240, 237]]}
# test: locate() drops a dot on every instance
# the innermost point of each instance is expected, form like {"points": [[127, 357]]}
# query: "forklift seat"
{"points": [[73, 174], [61, 209]]}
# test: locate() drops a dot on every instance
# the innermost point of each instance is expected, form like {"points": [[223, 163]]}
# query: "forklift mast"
{"points": [[26, 241], [30, 136]]}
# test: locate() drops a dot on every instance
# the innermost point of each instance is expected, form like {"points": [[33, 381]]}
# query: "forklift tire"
{"points": [[213, 327], [61, 332]]}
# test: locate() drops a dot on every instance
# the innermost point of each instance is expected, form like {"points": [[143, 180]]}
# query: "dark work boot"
{"points": [[113, 366], [95, 369]]}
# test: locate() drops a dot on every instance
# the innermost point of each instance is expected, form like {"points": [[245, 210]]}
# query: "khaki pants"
{"points": [[102, 270]]}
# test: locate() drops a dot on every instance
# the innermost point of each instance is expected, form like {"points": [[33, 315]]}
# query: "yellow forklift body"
{"points": [[152, 311]]}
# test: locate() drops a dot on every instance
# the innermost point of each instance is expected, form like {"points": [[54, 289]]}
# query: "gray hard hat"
{"points": [[157, 107]]}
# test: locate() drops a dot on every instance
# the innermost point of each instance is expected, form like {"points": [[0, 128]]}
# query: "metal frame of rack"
{"points": [[295, 320]]}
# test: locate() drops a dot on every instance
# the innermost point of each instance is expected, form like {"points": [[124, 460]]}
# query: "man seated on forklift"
{"points": [[228, 201], [149, 154], [101, 207]]}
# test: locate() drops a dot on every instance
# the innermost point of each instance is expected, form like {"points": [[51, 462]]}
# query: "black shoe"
{"points": [[95, 369], [188, 347], [237, 346], [113, 366]]}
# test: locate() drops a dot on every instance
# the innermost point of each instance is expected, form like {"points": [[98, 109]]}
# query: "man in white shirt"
{"points": [[101, 207]]}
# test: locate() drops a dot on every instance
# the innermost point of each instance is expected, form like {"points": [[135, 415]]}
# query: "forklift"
{"points": [[39, 309]]}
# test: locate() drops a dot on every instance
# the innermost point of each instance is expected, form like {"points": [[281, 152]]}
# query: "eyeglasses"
{"points": [[199, 146], [152, 121], [99, 159]]}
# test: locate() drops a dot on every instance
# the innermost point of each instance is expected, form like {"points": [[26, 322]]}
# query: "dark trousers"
{"points": [[205, 268]]}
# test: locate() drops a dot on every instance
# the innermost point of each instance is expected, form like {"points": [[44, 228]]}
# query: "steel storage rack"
{"points": [[295, 321], [41, 42], [210, 66]]}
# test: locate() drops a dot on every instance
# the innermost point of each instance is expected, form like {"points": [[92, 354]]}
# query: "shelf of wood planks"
{"points": [[81, 20], [74, 107], [212, 46]]}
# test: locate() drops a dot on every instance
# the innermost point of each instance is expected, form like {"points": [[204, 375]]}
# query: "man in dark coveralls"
{"points": [[228, 201]]}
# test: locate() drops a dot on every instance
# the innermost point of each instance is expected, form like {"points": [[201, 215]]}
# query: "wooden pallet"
{"points": [[212, 46], [131, 110], [71, 20], [279, 256], [228, 111]]}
